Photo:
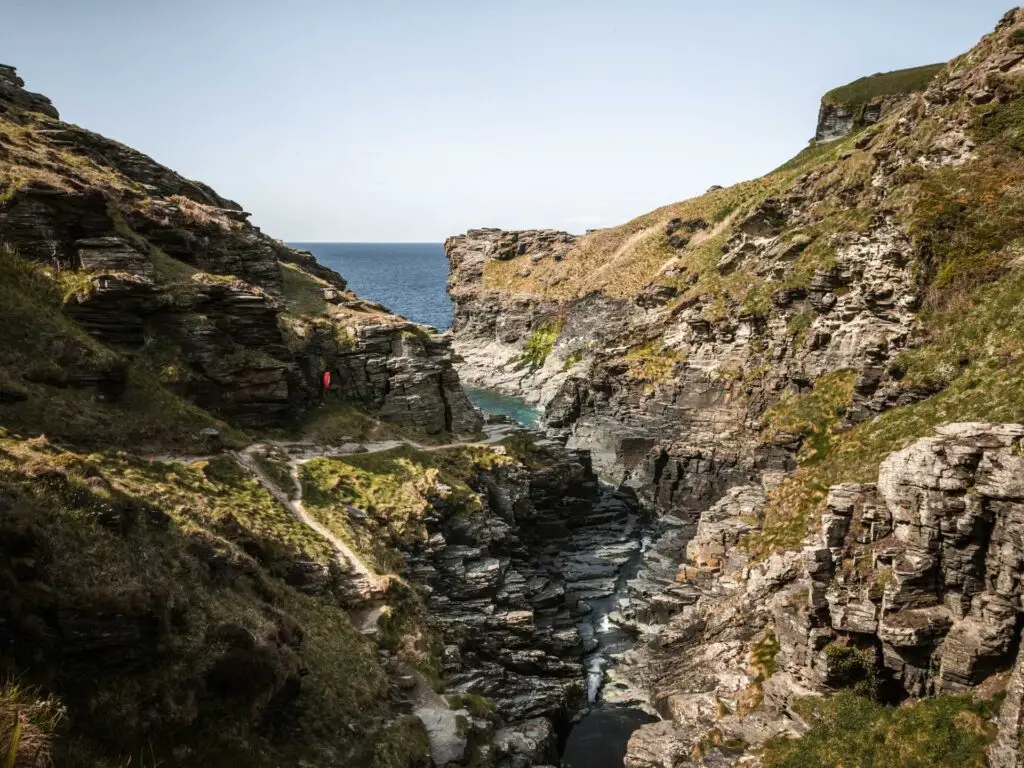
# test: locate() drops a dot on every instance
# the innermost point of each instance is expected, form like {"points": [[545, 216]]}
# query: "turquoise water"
{"points": [[504, 405]]}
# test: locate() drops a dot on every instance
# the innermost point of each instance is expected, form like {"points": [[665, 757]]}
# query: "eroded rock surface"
{"points": [[164, 268]]}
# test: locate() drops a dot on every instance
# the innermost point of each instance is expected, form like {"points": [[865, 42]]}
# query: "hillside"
{"points": [[204, 560], [205, 565], [746, 360]]}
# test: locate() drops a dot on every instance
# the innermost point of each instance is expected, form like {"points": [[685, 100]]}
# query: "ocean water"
{"points": [[514, 407], [407, 278], [410, 279]]}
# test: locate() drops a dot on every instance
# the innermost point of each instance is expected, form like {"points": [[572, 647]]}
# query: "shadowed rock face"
{"points": [[509, 587], [166, 262]]}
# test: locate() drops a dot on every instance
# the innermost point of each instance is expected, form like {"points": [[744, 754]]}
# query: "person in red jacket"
{"points": [[325, 384]]}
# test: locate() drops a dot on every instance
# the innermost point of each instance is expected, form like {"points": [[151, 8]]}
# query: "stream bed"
{"points": [[600, 562], [600, 738]]}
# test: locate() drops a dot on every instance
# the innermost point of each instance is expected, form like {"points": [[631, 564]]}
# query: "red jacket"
{"points": [[326, 380]]}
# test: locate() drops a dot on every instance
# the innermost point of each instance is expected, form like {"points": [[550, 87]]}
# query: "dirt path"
{"points": [[368, 583]]}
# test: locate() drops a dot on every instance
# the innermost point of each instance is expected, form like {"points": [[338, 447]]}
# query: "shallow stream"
{"points": [[600, 737]]}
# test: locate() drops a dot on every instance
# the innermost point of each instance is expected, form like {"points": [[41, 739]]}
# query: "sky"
{"points": [[382, 120]]}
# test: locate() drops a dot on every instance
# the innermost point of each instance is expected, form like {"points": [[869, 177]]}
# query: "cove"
{"points": [[498, 404]]}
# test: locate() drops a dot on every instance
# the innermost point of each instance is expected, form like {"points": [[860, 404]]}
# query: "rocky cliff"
{"points": [[864, 102], [180, 285], [744, 360]]}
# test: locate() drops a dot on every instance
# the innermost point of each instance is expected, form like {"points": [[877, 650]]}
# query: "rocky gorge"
{"points": [[799, 376], [205, 559], [774, 516]]}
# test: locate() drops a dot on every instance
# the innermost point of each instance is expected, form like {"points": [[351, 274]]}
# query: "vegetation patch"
{"points": [[302, 292], [28, 727], [852, 731], [652, 363], [179, 558], [965, 217], [812, 415], [897, 83], [477, 706], [391, 492], [539, 344], [762, 656], [401, 744]]}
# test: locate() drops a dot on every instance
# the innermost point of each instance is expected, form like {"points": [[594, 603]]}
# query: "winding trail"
{"points": [[367, 583]]}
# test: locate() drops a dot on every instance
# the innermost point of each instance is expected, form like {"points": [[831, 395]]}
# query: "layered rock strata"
{"points": [[912, 582], [163, 268], [511, 588]]}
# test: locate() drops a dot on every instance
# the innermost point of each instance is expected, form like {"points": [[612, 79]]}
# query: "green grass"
{"points": [[395, 488], [477, 706], [217, 495], [539, 344], [401, 744], [763, 656], [191, 548], [337, 422], [897, 83], [854, 732], [303, 293], [812, 414]]}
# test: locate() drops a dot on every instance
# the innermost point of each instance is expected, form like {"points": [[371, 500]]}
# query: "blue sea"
{"points": [[410, 279], [407, 278]]}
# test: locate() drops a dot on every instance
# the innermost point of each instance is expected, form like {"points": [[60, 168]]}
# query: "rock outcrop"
{"points": [[640, 352], [163, 268], [911, 583], [866, 101], [512, 587]]}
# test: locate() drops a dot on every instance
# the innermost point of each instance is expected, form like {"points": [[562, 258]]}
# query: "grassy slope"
{"points": [[96, 547], [972, 323], [864, 90]]}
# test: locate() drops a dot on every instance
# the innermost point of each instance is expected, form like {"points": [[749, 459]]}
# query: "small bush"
{"points": [[852, 668]]}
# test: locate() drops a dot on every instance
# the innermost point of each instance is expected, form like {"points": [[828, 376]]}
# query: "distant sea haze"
{"points": [[407, 278]]}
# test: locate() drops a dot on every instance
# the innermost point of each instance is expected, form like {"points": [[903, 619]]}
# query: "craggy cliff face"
{"points": [[747, 359], [176, 277]]}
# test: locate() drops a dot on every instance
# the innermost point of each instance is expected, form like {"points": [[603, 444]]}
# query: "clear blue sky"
{"points": [[391, 121]]}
